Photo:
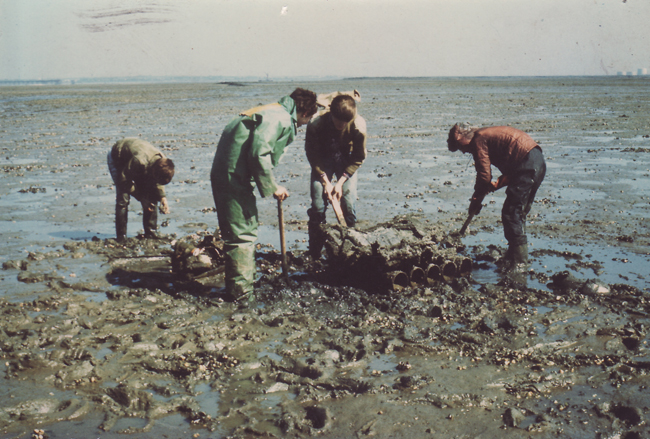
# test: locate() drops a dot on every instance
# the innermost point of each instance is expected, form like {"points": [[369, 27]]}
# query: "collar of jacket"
{"points": [[290, 105]]}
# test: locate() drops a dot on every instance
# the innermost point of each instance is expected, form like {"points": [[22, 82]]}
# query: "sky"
{"points": [[69, 39]]}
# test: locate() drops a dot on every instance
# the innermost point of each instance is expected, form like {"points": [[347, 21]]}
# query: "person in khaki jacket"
{"points": [[140, 170], [522, 165], [335, 145]]}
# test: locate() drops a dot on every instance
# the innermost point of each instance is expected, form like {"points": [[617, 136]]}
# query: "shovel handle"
{"points": [[466, 224], [336, 206], [470, 216], [283, 241]]}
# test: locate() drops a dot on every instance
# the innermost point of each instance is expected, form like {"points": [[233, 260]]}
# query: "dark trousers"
{"points": [[520, 193], [122, 199]]}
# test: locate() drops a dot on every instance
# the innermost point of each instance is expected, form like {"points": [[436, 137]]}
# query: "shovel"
{"points": [[466, 224], [283, 242], [470, 216], [336, 205], [502, 181]]}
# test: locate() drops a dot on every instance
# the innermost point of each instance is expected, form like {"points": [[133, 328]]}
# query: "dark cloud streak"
{"points": [[108, 19]]}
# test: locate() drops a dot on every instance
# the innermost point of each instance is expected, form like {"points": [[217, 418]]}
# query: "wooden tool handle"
{"points": [[336, 205], [283, 242]]}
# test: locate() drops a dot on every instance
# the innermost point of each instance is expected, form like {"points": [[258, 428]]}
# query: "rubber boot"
{"points": [[516, 265], [515, 259], [519, 254], [121, 219], [240, 272], [150, 222], [316, 234], [316, 240]]}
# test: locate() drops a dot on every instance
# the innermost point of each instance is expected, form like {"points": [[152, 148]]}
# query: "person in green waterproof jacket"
{"points": [[250, 147]]}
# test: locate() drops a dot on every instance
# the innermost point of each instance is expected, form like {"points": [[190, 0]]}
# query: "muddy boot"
{"points": [[121, 218], [237, 294], [519, 254], [316, 240], [515, 259], [518, 264], [150, 222], [240, 273]]}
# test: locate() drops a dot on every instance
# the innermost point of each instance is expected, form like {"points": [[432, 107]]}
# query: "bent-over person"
{"points": [[522, 165], [140, 170], [250, 147]]}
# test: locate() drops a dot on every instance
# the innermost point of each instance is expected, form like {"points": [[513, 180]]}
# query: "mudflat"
{"points": [[100, 339]]}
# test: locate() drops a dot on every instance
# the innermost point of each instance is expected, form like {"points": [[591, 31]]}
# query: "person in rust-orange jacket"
{"points": [[522, 165]]}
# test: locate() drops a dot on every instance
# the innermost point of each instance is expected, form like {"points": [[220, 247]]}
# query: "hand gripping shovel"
{"points": [[470, 216], [336, 205], [502, 181]]}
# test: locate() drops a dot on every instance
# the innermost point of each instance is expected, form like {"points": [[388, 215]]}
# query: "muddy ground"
{"points": [[102, 340]]}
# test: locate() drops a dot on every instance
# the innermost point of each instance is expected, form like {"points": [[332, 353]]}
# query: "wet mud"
{"points": [[375, 339]]}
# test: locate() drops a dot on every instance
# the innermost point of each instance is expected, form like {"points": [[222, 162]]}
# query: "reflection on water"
{"points": [[383, 363], [208, 399], [618, 265]]}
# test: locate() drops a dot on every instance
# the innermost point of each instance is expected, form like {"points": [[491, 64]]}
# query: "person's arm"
{"points": [[268, 140], [483, 167], [358, 153], [313, 146], [337, 192], [164, 207], [134, 178], [502, 181]]}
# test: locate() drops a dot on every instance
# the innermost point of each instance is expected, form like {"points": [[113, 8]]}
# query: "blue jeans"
{"points": [[319, 199]]}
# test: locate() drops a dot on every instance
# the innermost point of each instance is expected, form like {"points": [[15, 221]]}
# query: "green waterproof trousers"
{"points": [[237, 213]]}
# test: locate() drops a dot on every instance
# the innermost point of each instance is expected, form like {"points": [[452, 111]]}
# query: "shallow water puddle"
{"points": [[270, 236], [617, 265], [45, 231], [269, 351], [208, 399], [130, 423], [383, 364], [103, 352]]}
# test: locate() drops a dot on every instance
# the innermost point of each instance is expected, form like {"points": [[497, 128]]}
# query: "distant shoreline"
{"points": [[256, 80]]}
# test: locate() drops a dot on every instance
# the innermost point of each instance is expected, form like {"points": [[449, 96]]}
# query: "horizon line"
{"points": [[232, 80]]}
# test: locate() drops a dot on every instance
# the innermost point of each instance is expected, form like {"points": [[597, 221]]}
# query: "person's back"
{"points": [[251, 143], [505, 146], [523, 168], [140, 170], [132, 148]]}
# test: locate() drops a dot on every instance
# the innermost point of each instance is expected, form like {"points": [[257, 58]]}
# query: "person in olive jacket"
{"points": [[522, 165], [249, 148], [140, 170], [335, 145]]}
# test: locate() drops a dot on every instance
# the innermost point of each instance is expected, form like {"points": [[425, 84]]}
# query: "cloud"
{"points": [[116, 17]]}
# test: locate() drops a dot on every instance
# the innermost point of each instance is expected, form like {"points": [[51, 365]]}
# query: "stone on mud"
{"points": [[195, 254], [513, 417]]}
